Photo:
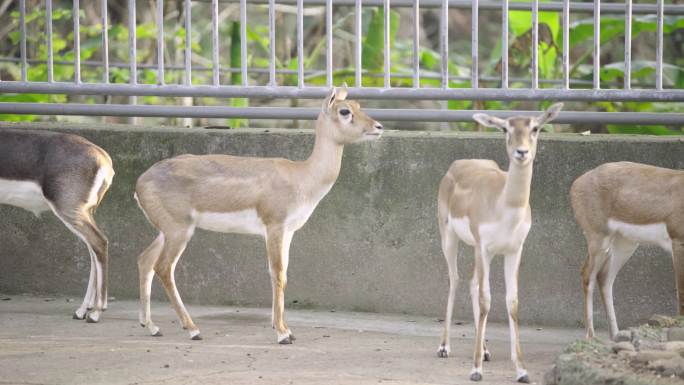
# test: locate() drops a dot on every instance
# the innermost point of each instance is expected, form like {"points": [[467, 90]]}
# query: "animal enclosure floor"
{"points": [[41, 344]]}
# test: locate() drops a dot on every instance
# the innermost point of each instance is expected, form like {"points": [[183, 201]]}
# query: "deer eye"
{"points": [[344, 112], [535, 129]]}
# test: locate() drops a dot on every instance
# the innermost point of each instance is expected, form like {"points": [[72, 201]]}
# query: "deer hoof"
{"points": [[524, 379], [78, 317], [487, 356], [443, 351], [476, 376], [92, 318], [286, 341], [195, 335]]}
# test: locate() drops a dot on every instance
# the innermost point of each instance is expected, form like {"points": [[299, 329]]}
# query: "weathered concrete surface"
{"points": [[372, 244], [41, 344]]}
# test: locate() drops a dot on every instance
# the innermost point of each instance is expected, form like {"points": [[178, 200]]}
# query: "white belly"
{"points": [[25, 194], [655, 233], [242, 222]]}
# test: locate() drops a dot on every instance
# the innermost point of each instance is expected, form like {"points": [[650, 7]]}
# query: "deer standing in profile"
{"points": [[68, 175], [618, 206], [489, 209], [270, 197]]}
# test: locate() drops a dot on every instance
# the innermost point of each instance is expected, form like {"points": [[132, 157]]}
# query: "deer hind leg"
{"points": [[89, 298], [450, 250], [174, 245], [475, 301], [596, 258], [511, 268], [146, 262], [482, 263], [620, 251], [278, 250], [80, 221], [678, 261]]}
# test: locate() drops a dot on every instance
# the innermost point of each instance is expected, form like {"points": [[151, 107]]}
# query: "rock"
{"points": [[646, 356], [674, 366], [675, 334], [623, 336], [620, 346], [626, 354], [674, 346], [662, 321]]}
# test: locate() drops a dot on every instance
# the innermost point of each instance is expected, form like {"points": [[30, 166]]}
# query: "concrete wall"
{"points": [[372, 244]]}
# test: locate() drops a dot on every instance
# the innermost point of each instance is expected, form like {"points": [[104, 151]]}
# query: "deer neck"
{"points": [[516, 192], [324, 163]]}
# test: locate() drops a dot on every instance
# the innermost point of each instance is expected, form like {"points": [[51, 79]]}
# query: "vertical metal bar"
{"points": [[444, 42], [504, 44], [214, 42], [300, 43], [535, 44], [243, 41], [566, 44], [77, 42], [358, 47], [188, 43], [271, 34], [48, 24], [105, 42], [659, 46], [628, 44], [132, 41], [329, 43], [22, 38], [160, 41], [597, 44], [416, 43], [386, 12], [475, 30]]}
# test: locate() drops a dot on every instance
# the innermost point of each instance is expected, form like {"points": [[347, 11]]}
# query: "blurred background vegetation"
{"points": [[401, 40]]}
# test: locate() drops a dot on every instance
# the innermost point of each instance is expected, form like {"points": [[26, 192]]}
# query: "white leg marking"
{"points": [[621, 250]]}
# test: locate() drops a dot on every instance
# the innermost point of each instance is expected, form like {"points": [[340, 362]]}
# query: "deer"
{"points": [[47, 171], [268, 197], [619, 206], [489, 209]]}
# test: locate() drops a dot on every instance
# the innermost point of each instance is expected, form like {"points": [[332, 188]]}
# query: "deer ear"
{"points": [[329, 100], [490, 121], [549, 114], [342, 92]]}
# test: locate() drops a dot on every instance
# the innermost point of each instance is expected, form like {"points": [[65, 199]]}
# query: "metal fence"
{"points": [[563, 90]]}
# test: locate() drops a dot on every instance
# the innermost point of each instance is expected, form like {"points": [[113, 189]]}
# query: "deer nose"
{"points": [[377, 126], [522, 152]]}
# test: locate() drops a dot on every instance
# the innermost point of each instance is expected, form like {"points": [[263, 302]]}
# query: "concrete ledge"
{"points": [[372, 244]]}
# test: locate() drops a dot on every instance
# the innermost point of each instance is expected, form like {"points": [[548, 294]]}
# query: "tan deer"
{"points": [[489, 209], [270, 197], [618, 206], [68, 175]]}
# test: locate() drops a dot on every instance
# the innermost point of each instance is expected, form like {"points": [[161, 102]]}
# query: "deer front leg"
{"points": [[678, 260], [278, 250], [450, 250], [482, 261], [511, 267]]}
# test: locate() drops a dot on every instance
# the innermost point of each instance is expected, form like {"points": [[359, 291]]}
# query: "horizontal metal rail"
{"points": [[396, 93], [383, 114]]}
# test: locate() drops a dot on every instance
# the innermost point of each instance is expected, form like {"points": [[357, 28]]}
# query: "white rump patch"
{"points": [[102, 173], [654, 233], [242, 222], [461, 226], [25, 194]]}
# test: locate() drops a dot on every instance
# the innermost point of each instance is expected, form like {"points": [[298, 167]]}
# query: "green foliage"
{"points": [[520, 23]]}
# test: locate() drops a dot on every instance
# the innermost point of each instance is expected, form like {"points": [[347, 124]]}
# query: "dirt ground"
{"points": [[41, 344]]}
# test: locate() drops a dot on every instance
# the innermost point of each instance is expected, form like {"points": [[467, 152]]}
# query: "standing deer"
{"points": [[68, 175], [618, 206], [489, 209], [271, 197]]}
